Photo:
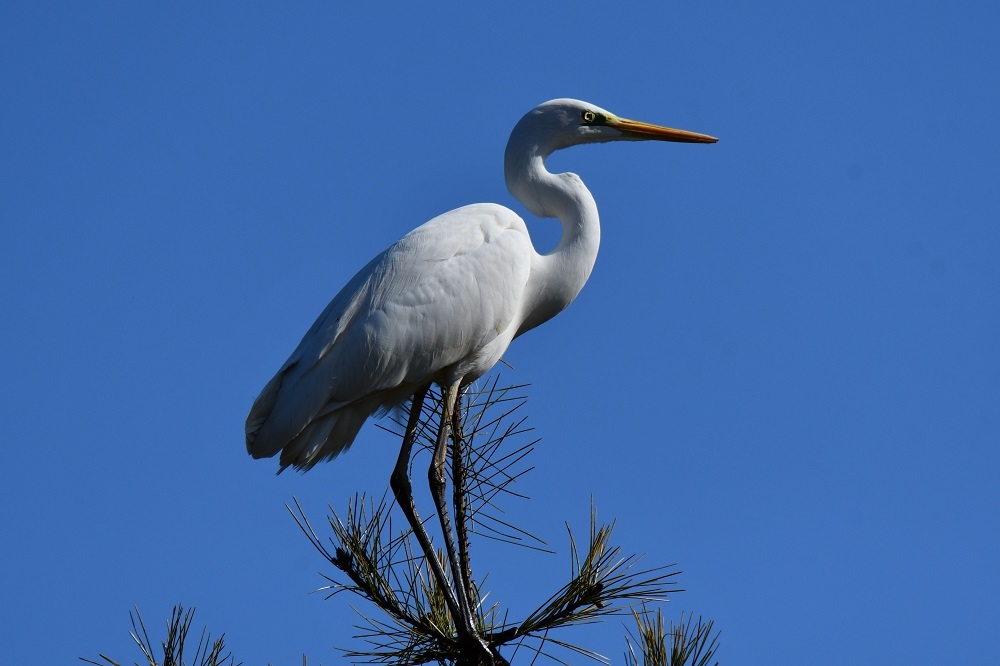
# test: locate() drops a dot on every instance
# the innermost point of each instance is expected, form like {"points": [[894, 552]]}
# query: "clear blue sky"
{"points": [[783, 375]]}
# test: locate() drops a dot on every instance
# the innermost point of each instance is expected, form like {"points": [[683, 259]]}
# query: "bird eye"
{"points": [[589, 117]]}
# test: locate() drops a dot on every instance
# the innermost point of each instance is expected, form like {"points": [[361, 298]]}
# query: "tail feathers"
{"points": [[308, 431], [326, 437], [259, 413]]}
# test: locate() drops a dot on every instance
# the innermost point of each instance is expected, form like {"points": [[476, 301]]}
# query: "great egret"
{"points": [[441, 305]]}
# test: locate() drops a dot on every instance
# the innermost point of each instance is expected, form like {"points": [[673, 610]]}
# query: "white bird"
{"points": [[443, 303]]}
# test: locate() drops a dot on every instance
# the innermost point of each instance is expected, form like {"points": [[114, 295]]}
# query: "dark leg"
{"points": [[436, 476], [458, 500], [403, 492]]}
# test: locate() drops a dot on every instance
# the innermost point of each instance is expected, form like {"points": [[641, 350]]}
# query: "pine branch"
{"points": [[687, 643], [602, 583], [207, 653], [384, 570], [383, 567]]}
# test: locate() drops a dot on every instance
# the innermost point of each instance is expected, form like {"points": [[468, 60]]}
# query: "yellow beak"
{"points": [[646, 131]]}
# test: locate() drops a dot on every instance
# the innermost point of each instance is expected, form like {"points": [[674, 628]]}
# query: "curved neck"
{"points": [[557, 277]]}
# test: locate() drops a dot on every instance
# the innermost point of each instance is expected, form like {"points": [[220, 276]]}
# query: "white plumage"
{"points": [[443, 303]]}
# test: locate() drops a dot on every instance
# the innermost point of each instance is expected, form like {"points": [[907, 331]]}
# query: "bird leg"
{"points": [[465, 623], [403, 492], [458, 499]]}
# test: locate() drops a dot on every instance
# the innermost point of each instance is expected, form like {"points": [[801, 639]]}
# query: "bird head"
{"points": [[561, 123]]}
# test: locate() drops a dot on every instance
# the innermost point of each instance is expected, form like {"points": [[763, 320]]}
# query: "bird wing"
{"points": [[426, 306]]}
